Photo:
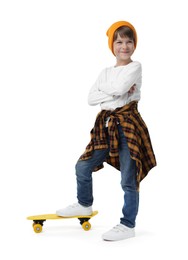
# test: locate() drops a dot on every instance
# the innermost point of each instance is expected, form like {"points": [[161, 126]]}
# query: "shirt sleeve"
{"points": [[122, 84], [97, 96]]}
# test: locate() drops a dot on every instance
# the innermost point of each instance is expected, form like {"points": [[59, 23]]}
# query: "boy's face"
{"points": [[123, 49]]}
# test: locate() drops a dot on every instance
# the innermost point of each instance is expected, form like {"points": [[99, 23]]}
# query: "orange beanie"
{"points": [[114, 27]]}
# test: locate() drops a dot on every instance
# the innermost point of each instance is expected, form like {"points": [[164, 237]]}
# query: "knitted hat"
{"points": [[110, 32]]}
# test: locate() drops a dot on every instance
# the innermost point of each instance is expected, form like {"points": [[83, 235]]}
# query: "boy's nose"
{"points": [[124, 45]]}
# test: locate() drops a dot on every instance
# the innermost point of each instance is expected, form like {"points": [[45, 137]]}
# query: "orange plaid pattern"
{"points": [[135, 131]]}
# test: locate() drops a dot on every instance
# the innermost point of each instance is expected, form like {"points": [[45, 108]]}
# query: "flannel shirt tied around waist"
{"points": [[135, 131]]}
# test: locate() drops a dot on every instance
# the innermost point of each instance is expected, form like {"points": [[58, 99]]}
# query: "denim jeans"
{"points": [[84, 170]]}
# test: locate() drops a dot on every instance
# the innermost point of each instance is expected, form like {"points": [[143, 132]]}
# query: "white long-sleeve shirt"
{"points": [[111, 89]]}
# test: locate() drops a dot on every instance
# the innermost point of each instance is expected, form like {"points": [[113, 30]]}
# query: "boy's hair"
{"points": [[124, 31]]}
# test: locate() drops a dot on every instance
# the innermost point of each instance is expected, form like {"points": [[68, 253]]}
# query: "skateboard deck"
{"points": [[38, 220]]}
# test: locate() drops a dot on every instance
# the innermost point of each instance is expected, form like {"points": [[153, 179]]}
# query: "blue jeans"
{"points": [[84, 170]]}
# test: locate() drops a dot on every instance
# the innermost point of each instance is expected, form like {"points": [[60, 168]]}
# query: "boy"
{"points": [[119, 137]]}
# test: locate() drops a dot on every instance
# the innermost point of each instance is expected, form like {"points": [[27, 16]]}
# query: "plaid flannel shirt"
{"points": [[135, 131]]}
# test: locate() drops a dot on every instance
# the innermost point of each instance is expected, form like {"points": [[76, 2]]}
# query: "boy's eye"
{"points": [[128, 42]]}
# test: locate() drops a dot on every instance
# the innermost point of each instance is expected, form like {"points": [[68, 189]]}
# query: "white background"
{"points": [[50, 55]]}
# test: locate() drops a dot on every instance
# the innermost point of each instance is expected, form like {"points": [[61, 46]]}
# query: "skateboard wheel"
{"points": [[86, 226], [37, 228]]}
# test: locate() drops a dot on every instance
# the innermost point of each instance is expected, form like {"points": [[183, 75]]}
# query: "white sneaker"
{"points": [[74, 210], [119, 232]]}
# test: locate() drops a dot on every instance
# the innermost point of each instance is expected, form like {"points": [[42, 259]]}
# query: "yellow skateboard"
{"points": [[38, 220]]}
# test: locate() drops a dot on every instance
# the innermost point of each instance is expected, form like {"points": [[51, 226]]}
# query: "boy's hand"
{"points": [[132, 89]]}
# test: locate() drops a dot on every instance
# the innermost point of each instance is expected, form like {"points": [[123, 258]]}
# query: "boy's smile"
{"points": [[123, 49]]}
